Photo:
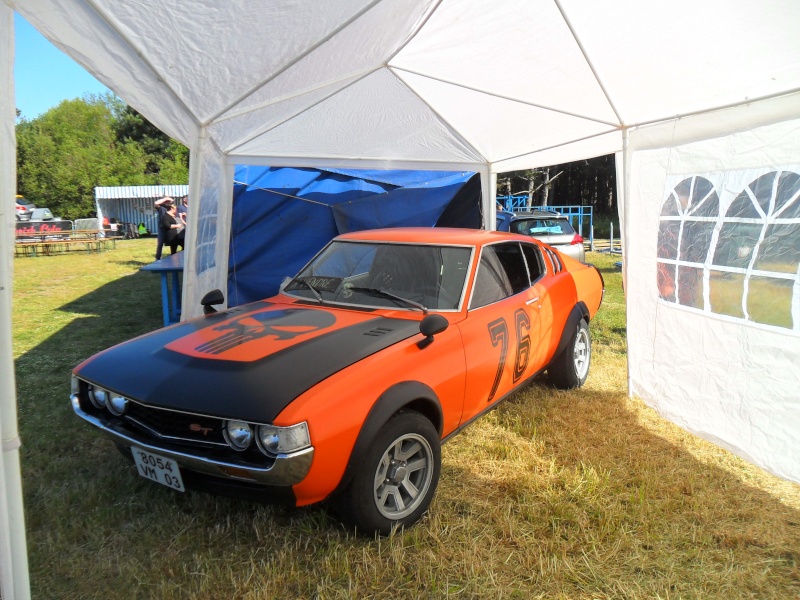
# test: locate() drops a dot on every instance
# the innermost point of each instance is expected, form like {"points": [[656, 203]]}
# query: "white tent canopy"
{"points": [[520, 83], [681, 89]]}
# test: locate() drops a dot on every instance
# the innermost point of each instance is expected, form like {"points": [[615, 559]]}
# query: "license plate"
{"points": [[157, 468]]}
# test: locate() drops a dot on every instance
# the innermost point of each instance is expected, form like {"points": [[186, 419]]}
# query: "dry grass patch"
{"points": [[584, 494]]}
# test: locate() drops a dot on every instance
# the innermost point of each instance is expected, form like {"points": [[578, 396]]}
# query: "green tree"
{"points": [[81, 144], [167, 160]]}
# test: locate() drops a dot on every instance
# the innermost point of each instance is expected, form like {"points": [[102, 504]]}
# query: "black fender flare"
{"points": [[412, 395], [578, 313]]}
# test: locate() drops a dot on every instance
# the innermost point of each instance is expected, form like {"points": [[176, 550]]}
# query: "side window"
{"points": [[557, 261], [501, 273], [533, 258], [554, 261]]}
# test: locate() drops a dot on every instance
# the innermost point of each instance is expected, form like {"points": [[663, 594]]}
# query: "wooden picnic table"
{"points": [[46, 243]]}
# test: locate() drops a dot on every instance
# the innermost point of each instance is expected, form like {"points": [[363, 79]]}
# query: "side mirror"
{"points": [[212, 298], [430, 326]]}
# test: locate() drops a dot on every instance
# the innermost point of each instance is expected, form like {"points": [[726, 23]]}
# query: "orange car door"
{"points": [[501, 329]]}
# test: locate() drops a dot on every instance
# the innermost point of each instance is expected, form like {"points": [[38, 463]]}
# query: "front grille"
{"points": [[176, 425]]}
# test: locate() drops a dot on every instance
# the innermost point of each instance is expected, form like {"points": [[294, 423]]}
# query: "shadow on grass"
{"points": [[620, 507], [119, 310], [133, 263]]}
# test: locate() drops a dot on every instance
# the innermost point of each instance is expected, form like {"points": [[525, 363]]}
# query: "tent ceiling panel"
{"points": [[83, 34], [523, 50], [233, 132], [506, 129], [363, 46], [377, 116], [598, 145], [687, 56], [261, 38]]}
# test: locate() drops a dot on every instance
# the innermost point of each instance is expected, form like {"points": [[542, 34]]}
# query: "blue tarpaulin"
{"points": [[283, 216]]}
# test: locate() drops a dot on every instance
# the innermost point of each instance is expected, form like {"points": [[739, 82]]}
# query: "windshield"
{"points": [[406, 276], [534, 227]]}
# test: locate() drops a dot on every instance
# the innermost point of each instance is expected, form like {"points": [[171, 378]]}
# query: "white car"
{"points": [[552, 228]]}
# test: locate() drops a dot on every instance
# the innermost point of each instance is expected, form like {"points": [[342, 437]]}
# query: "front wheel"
{"points": [[395, 480], [571, 368]]}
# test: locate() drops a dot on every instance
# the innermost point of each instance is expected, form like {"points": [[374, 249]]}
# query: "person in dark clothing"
{"points": [[173, 226], [161, 206]]}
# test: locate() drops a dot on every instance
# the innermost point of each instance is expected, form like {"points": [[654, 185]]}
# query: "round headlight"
{"points": [[270, 439], [116, 404], [98, 396], [238, 434]]}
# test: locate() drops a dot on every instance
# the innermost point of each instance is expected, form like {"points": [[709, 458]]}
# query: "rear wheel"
{"points": [[396, 478], [571, 368]]}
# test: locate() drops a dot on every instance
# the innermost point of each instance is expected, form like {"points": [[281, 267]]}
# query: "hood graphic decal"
{"points": [[289, 324], [253, 335]]}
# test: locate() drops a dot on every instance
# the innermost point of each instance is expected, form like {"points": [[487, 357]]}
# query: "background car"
{"points": [[345, 384], [550, 227], [23, 208], [41, 214]]}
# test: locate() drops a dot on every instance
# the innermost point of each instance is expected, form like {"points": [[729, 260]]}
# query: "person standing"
{"points": [[173, 226], [161, 208]]}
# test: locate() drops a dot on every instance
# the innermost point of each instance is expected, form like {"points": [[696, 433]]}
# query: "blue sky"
{"points": [[43, 75]]}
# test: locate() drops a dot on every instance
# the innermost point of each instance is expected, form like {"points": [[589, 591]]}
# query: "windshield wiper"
{"points": [[390, 296], [317, 295]]}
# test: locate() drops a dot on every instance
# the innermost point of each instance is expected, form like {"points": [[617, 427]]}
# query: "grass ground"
{"points": [[584, 494]]}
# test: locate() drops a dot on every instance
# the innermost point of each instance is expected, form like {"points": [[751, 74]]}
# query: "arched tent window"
{"points": [[744, 263], [688, 218], [754, 274]]}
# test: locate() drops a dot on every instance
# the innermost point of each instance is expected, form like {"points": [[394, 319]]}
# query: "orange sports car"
{"points": [[346, 383]]}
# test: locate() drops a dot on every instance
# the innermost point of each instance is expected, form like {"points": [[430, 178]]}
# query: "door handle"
{"points": [[532, 300]]}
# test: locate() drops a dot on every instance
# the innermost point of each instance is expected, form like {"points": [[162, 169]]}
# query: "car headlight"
{"points": [[238, 434], [116, 404], [280, 440], [98, 396]]}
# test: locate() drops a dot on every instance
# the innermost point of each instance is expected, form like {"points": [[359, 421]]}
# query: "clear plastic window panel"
{"points": [[733, 252]]}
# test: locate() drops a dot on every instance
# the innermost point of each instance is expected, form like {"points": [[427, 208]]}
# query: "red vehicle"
{"points": [[345, 384]]}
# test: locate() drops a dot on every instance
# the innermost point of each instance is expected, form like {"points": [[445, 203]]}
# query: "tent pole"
{"points": [[623, 210], [488, 202], [14, 578]]}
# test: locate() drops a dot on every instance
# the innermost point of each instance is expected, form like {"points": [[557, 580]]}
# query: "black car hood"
{"points": [[249, 362]]}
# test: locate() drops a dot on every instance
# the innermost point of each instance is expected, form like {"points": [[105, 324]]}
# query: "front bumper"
{"points": [[286, 470]]}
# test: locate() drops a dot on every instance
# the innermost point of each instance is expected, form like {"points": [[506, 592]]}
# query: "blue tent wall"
{"points": [[283, 216]]}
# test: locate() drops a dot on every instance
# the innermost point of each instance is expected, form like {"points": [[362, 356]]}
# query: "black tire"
{"points": [[385, 493], [571, 368]]}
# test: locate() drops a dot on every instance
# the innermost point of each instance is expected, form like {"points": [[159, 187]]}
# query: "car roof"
{"points": [[434, 235]]}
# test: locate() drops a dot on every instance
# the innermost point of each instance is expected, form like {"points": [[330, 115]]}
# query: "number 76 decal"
{"points": [[498, 334]]}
